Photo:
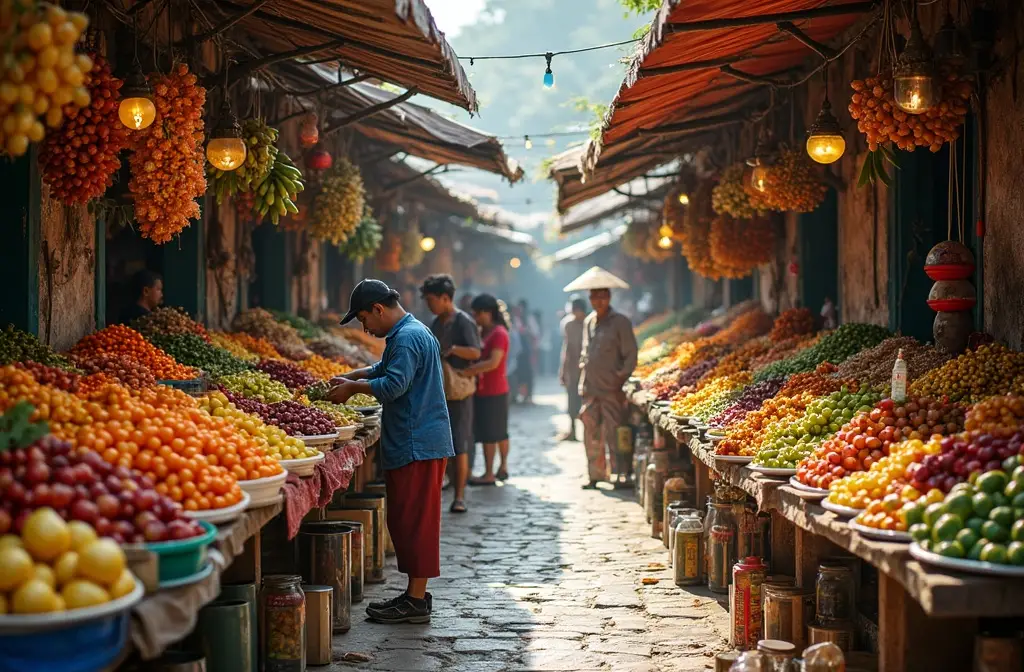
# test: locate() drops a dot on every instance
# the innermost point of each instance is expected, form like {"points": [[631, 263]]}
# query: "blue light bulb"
{"points": [[549, 79]]}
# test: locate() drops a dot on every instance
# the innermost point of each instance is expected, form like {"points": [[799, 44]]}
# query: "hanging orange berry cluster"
{"points": [[168, 158], [79, 159], [738, 246], [792, 184], [873, 107]]}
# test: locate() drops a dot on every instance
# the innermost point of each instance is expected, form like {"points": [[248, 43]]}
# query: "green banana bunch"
{"points": [[276, 193], [261, 155], [365, 240]]}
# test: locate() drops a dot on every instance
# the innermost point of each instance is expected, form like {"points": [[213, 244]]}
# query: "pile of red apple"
{"points": [[962, 455], [118, 502]]}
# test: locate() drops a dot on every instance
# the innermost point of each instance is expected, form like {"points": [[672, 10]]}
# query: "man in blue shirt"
{"points": [[416, 440]]}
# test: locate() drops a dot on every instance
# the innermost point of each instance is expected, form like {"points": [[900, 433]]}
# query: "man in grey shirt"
{"points": [[460, 346], [569, 369], [607, 361]]}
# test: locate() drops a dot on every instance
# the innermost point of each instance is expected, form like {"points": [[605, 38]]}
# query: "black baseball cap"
{"points": [[365, 294]]}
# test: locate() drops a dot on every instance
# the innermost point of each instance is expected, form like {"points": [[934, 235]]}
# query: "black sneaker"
{"points": [[404, 610], [385, 604]]}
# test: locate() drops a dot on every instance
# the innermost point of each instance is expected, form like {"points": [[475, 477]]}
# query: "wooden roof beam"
{"points": [[246, 68], [710, 64], [368, 112], [328, 87], [823, 50], [764, 80], [761, 19], [228, 23], [704, 124], [394, 186]]}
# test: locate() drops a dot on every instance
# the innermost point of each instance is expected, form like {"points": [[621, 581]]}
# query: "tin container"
{"points": [[358, 568], [746, 608], [318, 623], [719, 546], [688, 550], [247, 593], [375, 503], [640, 469], [724, 661], [788, 611], [223, 634], [363, 517], [834, 594], [840, 636], [778, 655], [381, 488], [998, 654], [674, 492], [282, 624], [325, 558]]}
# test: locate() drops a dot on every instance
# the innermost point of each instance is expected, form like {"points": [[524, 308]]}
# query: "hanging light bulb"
{"points": [[949, 46], [136, 110], [825, 141], [761, 163], [664, 242], [684, 198], [915, 84], [527, 142], [665, 231], [549, 77], [515, 262], [427, 243], [226, 149]]}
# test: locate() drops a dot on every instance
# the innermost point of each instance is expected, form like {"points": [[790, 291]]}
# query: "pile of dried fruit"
{"points": [[129, 372], [874, 365], [881, 120], [290, 375], [261, 324], [793, 184], [324, 368], [167, 320], [167, 158], [118, 339], [224, 341], [78, 161], [258, 346]]}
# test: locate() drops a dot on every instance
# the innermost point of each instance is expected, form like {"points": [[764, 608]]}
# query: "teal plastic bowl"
{"points": [[179, 559]]}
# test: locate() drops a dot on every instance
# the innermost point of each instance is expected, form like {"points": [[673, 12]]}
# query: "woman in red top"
{"points": [[490, 403]]}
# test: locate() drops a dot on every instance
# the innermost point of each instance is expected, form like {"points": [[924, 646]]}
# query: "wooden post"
{"points": [[809, 549], [704, 488], [909, 640], [783, 545], [100, 274]]}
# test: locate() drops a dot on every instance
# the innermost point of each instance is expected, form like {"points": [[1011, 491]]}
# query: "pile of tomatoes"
{"points": [[120, 340]]}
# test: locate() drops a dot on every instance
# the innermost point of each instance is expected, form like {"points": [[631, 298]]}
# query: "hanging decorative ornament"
{"points": [[226, 149], [949, 260], [309, 132], [916, 87], [319, 159], [549, 77]]}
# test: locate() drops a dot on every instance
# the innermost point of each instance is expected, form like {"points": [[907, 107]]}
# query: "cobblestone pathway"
{"points": [[541, 575]]}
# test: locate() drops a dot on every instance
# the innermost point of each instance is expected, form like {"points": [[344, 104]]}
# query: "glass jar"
{"points": [[777, 654], [720, 545], [282, 624], [834, 595], [687, 549]]}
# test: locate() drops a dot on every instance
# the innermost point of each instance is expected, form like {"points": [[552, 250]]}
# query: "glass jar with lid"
{"points": [[720, 548], [834, 594], [688, 549], [282, 624]]}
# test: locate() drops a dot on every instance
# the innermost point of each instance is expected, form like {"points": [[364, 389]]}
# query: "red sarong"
{"points": [[414, 516]]}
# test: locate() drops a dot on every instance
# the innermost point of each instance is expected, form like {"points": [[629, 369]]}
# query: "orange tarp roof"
{"points": [[675, 75]]}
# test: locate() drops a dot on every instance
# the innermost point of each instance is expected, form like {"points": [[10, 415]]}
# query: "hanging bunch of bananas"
{"points": [[366, 239], [260, 159], [338, 208], [412, 246], [276, 193]]}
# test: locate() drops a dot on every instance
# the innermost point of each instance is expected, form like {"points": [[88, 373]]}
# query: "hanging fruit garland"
{"points": [[275, 194], [793, 185], [641, 241], [673, 213], [339, 206], [41, 72], [730, 196], [695, 238], [412, 248], [738, 246], [366, 240], [389, 256], [78, 161], [168, 158]]}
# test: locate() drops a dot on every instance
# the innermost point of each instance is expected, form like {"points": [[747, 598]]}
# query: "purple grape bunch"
{"points": [[291, 416], [750, 400], [290, 375]]}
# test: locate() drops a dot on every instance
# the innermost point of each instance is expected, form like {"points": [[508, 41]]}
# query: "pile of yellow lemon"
{"points": [[279, 445], [58, 566]]}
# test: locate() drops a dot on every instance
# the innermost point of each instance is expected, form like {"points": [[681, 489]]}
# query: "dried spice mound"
{"points": [[874, 365]]}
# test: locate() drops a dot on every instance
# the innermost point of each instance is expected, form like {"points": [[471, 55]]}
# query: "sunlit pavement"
{"points": [[540, 575]]}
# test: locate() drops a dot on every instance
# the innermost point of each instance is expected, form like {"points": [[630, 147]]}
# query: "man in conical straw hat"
{"points": [[607, 360]]}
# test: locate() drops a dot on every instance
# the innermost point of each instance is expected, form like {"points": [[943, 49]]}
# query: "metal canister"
{"points": [[223, 633], [719, 551], [358, 566], [998, 654], [374, 503], [672, 492], [325, 558], [318, 623], [746, 606], [687, 550], [788, 611], [363, 517], [649, 476], [840, 636], [777, 654], [724, 661], [245, 592], [381, 488], [640, 469]]}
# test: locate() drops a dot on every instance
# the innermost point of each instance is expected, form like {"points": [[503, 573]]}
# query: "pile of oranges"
{"points": [[324, 368], [191, 456], [257, 345], [121, 340]]}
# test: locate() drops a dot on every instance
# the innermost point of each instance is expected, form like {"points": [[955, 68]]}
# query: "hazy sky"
{"points": [[452, 15]]}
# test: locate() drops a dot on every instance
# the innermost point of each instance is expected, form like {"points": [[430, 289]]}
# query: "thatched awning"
{"points": [[574, 187], [589, 246], [704, 65], [645, 194], [394, 40]]}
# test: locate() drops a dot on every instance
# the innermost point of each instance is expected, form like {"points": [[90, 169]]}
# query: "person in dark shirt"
{"points": [[148, 290], [460, 346]]}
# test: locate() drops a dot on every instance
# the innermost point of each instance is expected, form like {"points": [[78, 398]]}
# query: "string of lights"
{"points": [[549, 76]]}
